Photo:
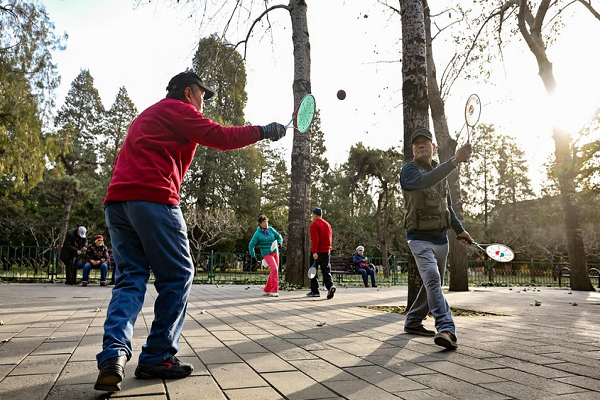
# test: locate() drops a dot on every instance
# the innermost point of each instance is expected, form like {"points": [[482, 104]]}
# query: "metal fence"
{"points": [[41, 264]]}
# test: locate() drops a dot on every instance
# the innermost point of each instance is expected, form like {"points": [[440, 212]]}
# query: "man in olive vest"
{"points": [[428, 216]]}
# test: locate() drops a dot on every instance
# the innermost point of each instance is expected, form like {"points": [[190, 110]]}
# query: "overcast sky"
{"points": [[355, 46]]}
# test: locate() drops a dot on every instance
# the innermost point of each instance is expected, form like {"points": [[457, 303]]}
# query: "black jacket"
{"points": [[72, 243]]}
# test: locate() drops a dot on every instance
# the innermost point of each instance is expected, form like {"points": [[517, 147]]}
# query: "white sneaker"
{"points": [[273, 294]]}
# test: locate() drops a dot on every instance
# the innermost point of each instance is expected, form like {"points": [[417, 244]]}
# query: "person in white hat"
{"points": [[74, 245], [362, 266]]}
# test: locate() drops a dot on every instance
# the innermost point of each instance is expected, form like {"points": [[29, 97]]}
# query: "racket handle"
{"points": [[289, 125]]}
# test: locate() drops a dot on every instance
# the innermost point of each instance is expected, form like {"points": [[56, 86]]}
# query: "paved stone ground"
{"points": [[245, 346]]}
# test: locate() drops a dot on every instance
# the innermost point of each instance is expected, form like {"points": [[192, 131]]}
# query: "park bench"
{"points": [[565, 272], [340, 266]]}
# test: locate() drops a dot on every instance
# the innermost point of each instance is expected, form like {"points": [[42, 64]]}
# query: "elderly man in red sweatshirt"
{"points": [[147, 228], [320, 238]]}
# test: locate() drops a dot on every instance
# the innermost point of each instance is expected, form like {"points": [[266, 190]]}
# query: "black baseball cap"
{"points": [[421, 132], [185, 79]]}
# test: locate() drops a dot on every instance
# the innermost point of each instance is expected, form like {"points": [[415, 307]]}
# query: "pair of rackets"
{"points": [[495, 251]]}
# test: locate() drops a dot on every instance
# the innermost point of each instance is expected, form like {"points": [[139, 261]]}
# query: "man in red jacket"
{"points": [[147, 227], [320, 238]]}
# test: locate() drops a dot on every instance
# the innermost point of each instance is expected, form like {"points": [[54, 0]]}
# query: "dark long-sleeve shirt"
{"points": [[411, 178]]}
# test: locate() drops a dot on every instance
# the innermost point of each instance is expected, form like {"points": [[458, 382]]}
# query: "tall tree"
{"points": [[79, 123], [415, 103], [28, 78], [530, 26], [116, 124]]}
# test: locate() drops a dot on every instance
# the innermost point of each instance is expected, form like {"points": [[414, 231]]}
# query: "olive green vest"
{"points": [[427, 209]]}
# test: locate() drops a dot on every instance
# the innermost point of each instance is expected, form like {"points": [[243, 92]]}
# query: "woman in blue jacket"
{"points": [[267, 239], [362, 267]]}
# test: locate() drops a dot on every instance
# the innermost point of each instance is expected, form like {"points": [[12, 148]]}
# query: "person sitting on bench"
{"points": [[96, 256], [362, 266]]}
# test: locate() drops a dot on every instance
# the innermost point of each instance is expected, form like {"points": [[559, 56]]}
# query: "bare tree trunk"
{"points": [[381, 224], [298, 260], [565, 168], [457, 259], [415, 104], [68, 206], [565, 171]]}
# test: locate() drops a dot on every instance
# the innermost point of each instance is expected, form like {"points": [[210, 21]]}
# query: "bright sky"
{"points": [[355, 46]]}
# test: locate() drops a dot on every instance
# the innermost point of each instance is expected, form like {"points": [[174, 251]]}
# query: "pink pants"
{"points": [[273, 280]]}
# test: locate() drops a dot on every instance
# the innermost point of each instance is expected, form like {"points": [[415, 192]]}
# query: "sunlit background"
{"points": [[355, 46]]}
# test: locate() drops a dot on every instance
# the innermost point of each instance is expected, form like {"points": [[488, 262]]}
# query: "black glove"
{"points": [[273, 131]]}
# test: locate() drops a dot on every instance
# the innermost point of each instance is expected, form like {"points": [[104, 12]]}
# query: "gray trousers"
{"points": [[431, 262]]}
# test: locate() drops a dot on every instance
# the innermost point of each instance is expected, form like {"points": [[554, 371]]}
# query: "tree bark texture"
{"points": [[415, 107], [530, 29], [298, 249], [457, 259]]}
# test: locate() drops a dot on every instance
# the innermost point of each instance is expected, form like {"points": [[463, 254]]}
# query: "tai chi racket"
{"points": [[472, 113], [312, 271], [496, 251], [275, 246], [304, 114]]}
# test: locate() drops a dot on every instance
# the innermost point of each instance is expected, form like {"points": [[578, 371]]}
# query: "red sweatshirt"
{"points": [[320, 236], [159, 149]]}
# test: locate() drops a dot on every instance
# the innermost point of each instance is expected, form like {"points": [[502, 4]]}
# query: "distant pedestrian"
{"points": [[320, 245], [146, 226], [267, 239], [75, 244]]}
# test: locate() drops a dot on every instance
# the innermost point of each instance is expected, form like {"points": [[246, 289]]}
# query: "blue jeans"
{"points": [[431, 262], [144, 233], [86, 272], [364, 272]]}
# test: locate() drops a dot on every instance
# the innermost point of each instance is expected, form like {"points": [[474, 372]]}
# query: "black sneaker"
{"points": [[171, 368], [331, 293], [311, 294], [112, 372]]}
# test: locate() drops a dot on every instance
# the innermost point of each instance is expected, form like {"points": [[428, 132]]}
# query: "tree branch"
{"points": [[536, 27], [588, 5], [257, 20]]}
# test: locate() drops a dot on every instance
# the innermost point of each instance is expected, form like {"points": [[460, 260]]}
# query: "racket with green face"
{"points": [[304, 114]]}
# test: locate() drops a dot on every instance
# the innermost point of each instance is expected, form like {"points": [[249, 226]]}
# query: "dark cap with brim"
{"points": [[421, 132], [185, 79]]}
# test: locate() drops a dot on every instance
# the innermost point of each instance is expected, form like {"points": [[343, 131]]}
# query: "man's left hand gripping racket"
{"points": [[304, 114]]}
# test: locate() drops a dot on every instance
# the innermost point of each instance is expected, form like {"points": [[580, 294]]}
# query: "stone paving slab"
{"points": [[244, 346]]}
